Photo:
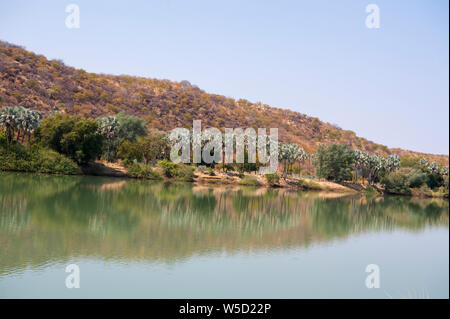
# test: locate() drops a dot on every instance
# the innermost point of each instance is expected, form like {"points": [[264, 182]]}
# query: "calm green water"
{"points": [[154, 240]]}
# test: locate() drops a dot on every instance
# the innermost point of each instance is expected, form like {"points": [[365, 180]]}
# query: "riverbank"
{"points": [[202, 176], [102, 168], [219, 177]]}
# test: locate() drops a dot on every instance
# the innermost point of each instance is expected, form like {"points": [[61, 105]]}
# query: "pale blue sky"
{"points": [[389, 85]]}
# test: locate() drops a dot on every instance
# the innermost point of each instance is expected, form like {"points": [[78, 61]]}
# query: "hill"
{"points": [[33, 81]]}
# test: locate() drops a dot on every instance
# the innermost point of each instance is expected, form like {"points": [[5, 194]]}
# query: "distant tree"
{"points": [[131, 127], [435, 173], [154, 147], [150, 149], [373, 167], [334, 162], [391, 163], [289, 154], [9, 121], [71, 135], [19, 122], [29, 120], [117, 130], [186, 83]]}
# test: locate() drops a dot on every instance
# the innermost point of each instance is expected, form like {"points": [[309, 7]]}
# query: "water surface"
{"points": [[145, 239]]}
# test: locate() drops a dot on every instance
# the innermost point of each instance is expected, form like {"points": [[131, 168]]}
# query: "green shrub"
{"points": [[273, 179], [49, 161], [417, 178], [137, 170], [434, 180], [130, 151], [334, 162], [397, 182], [72, 136], [169, 168], [177, 171], [249, 180], [185, 173], [37, 160]]}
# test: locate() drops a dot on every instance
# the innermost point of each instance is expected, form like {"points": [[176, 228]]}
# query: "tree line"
{"points": [[128, 138]]}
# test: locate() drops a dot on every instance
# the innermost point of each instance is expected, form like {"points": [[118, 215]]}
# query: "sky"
{"points": [[388, 84]]}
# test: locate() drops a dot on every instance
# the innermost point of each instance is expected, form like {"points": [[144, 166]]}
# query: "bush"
{"points": [[249, 180], [149, 149], [434, 180], [130, 151], [272, 179], [36, 160], [334, 162], [72, 136], [49, 161], [155, 146], [397, 182], [177, 171], [185, 173], [417, 178], [168, 167], [137, 170]]}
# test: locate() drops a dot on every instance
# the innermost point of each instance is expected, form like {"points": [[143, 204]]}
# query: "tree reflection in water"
{"points": [[46, 219]]}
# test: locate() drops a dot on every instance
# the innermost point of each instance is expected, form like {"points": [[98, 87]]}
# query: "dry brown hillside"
{"points": [[31, 80]]}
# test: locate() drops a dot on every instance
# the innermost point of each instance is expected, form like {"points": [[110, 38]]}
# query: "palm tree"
{"points": [[32, 121], [8, 120], [290, 153], [19, 120]]}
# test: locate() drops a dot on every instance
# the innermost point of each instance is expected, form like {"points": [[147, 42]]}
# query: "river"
{"points": [[144, 239]]}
